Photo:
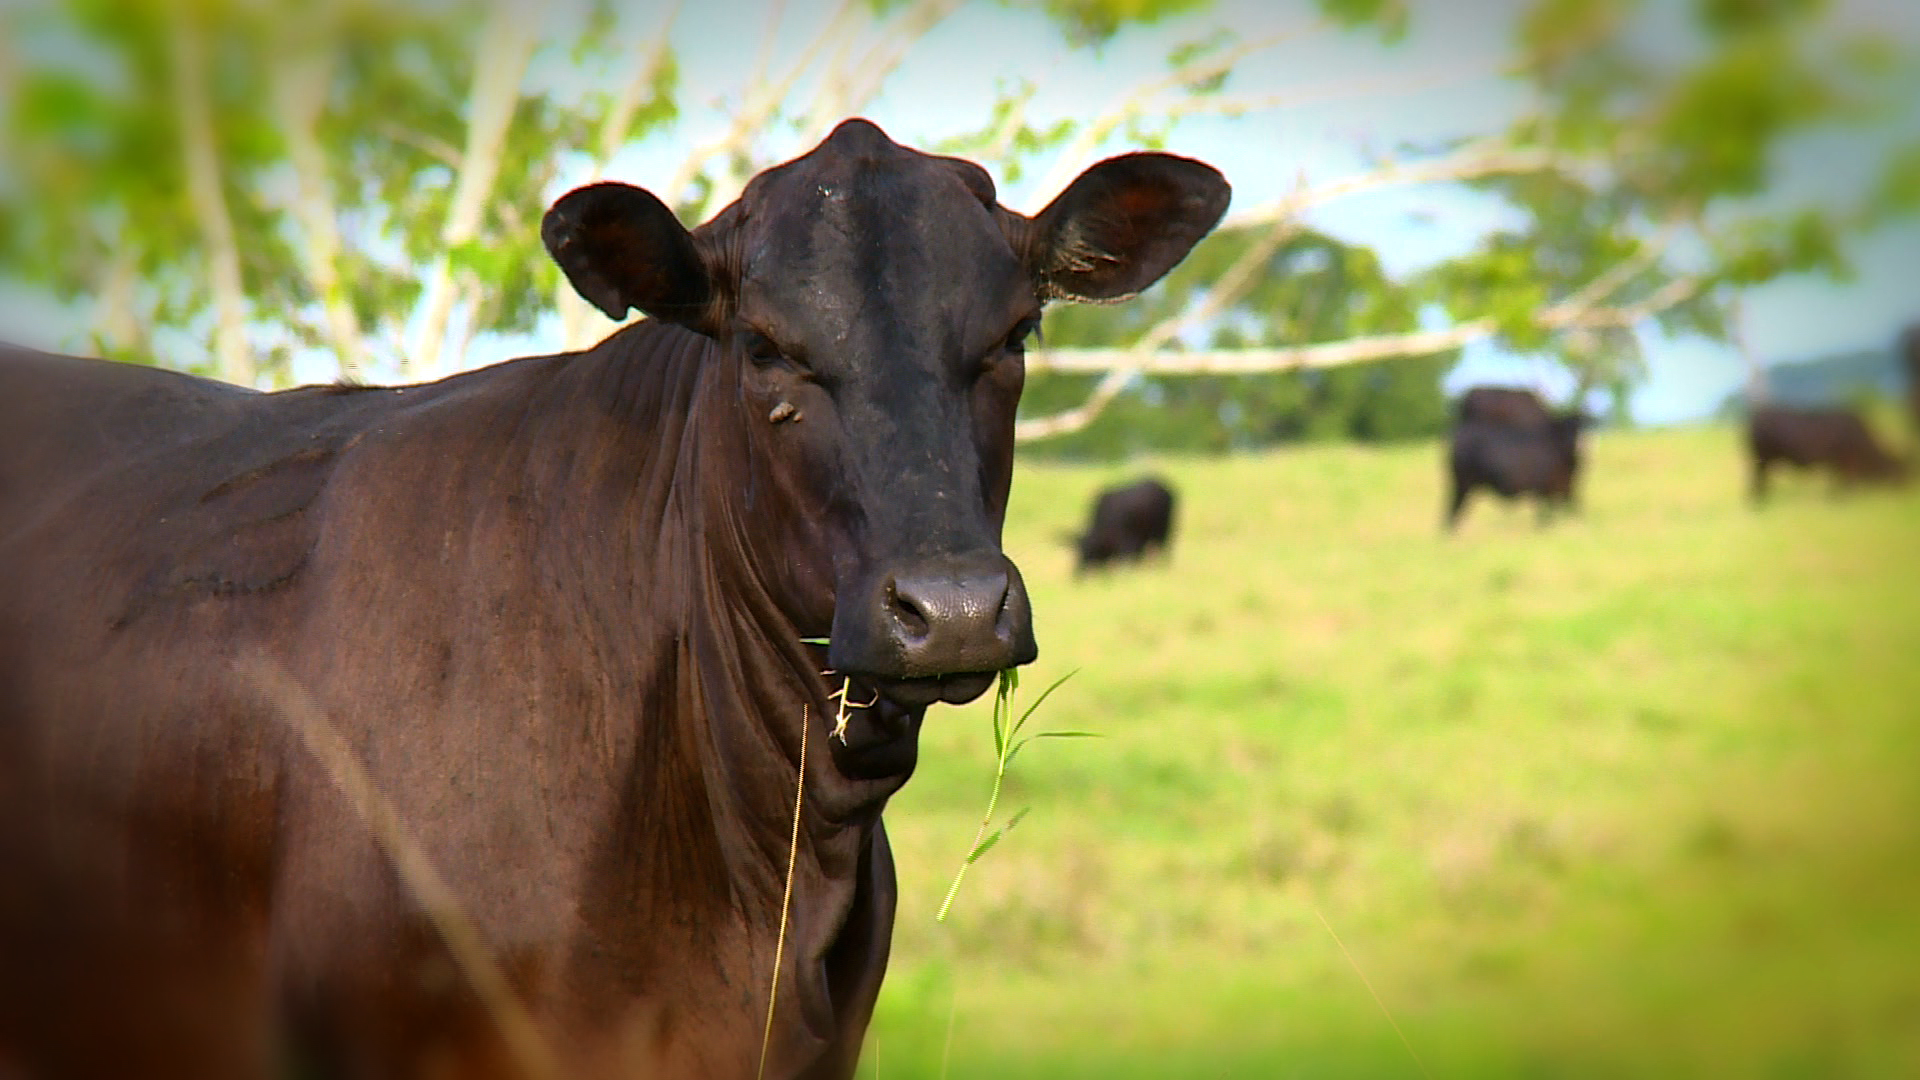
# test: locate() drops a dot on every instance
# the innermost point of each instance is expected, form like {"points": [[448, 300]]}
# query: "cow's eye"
{"points": [[758, 346], [1023, 331]]}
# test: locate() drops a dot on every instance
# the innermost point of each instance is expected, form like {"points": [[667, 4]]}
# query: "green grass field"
{"points": [[1637, 795]]}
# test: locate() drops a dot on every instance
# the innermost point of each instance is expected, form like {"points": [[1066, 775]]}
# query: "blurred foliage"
{"points": [[1090, 22], [1665, 193], [1667, 123], [95, 132], [1313, 287]]}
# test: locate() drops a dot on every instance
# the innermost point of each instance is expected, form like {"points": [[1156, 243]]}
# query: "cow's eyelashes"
{"points": [[758, 346], [1025, 330], [762, 351]]}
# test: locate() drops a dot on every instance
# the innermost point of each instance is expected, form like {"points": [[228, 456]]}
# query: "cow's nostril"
{"points": [[947, 617], [907, 611]]}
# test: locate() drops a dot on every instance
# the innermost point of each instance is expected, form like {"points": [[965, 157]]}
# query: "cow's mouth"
{"points": [[922, 692]]}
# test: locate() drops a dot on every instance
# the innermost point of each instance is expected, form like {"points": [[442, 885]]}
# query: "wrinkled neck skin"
{"points": [[717, 530]]}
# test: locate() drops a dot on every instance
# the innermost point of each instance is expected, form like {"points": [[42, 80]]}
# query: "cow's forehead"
{"points": [[844, 221], [825, 198]]}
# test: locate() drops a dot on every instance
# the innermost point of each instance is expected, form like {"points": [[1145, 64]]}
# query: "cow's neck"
{"points": [[715, 657]]}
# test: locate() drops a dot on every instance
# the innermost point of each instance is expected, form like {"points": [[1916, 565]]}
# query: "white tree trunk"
{"points": [[1758, 389], [500, 63], [580, 324], [187, 57], [117, 326], [1580, 311], [300, 94]]}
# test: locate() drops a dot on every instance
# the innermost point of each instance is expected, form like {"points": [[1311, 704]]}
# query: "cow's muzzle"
{"points": [[937, 630]]}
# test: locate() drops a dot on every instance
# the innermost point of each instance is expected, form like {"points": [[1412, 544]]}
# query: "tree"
{"points": [[1641, 180], [351, 173], [365, 182], [1310, 287]]}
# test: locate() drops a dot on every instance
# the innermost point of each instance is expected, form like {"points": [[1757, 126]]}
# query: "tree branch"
{"points": [[1604, 286], [506, 45], [186, 54], [1492, 157], [751, 116], [615, 126], [1673, 293], [444, 152], [116, 319], [1241, 104], [578, 319], [300, 83], [1000, 139], [1076, 155], [1123, 365], [908, 27], [1353, 350]]}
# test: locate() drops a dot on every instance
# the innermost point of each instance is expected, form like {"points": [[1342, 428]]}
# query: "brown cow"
{"points": [[1128, 523], [454, 729], [1508, 405], [1542, 460], [1835, 439], [1910, 359]]}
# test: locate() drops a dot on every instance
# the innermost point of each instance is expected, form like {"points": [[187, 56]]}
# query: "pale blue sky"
{"points": [[1455, 51], [1356, 101]]}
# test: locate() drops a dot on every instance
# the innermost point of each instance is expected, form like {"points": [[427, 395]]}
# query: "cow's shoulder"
{"points": [[184, 487]]}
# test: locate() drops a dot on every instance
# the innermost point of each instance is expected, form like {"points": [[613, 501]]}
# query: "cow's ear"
{"points": [[622, 248], [1122, 224]]}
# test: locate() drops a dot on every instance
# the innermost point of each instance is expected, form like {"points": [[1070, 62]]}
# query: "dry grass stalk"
{"points": [[293, 704]]}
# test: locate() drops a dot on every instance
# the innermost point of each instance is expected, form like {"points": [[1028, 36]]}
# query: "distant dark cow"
{"points": [[1516, 459], [1834, 439], [1910, 358], [1128, 523], [454, 730], [1503, 405]]}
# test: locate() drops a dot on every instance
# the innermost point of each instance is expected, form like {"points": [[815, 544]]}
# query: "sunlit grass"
{"points": [[1007, 743], [1638, 794]]}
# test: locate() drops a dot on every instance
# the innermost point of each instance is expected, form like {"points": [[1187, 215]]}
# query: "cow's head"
{"points": [[877, 302]]}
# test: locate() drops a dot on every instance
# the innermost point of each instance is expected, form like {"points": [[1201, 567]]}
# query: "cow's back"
{"points": [[156, 530], [1910, 359], [1135, 516], [378, 549], [1503, 405], [1509, 459], [1806, 436], [64, 419]]}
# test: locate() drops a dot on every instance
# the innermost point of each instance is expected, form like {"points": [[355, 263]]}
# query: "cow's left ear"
{"points": [[622, 248], [1122, 224]]}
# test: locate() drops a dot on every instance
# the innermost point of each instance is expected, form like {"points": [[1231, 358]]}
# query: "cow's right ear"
{"points": [[1122, 224], [622, 248]]}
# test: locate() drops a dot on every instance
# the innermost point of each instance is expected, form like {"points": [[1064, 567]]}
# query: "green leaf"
{"points": [[1051, 735], [1898, 191], [1188, 51], [984, 846], [1044, 694], [1387, 16]]}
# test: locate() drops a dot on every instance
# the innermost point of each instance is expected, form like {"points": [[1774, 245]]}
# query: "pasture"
{"points": [[1638, 795]]}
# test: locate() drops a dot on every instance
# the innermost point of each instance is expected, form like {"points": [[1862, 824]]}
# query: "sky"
{"points": [[1351, 96], [1356, 96]]}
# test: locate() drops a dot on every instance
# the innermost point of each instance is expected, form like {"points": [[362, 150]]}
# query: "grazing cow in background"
{"points": [[1910, 359], [1834, 439], [455, 729], [1128, 523], [1503, 405], [1516, 459]]}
